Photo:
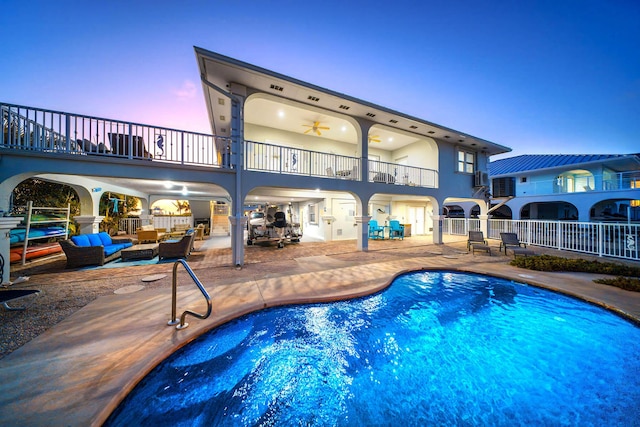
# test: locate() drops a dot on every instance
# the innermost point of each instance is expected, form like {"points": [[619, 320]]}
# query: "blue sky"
{"points": [[541, 77]]}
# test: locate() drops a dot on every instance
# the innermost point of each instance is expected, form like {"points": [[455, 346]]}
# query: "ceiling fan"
{"points": [[374, 138], [316, 128]]}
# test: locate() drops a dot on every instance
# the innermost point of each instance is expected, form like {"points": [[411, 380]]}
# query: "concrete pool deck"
{"points": [[77, 372]]}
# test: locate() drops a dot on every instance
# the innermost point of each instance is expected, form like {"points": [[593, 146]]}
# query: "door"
{"points": [[343, 227], [416, 219]]}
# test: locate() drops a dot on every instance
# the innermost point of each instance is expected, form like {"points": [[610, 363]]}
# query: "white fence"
{"points": [[460, 226], [617, 240]]}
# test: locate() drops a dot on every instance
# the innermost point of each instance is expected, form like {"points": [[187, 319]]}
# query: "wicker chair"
{"points": [[176, 249]]}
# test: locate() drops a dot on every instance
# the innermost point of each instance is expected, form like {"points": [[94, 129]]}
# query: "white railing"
{"points": [[617, 240], [34, 129], [392, 173], [129, 225], [296, 161], [460, 226]]}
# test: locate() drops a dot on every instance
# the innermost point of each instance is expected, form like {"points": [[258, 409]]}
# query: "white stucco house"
{"points": [[567, 187], [332, 161]]}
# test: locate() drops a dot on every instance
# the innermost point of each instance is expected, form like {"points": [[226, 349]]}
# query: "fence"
{"points": [[617, 240], [34, 129]]}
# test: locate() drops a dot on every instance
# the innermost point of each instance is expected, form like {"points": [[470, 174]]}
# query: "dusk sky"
{"points": [[541, 77]]}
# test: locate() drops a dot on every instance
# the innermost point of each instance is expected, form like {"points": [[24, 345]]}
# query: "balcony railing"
{"points": [[581, 183], [297, 161], [39, 130], [33, 129], [392, 173]]}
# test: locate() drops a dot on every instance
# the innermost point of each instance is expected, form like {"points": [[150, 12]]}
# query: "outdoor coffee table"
{"points": [[144, 251]]}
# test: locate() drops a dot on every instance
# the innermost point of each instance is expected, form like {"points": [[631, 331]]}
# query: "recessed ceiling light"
{"points": [[168, 184], [280, 113], [343, 128], [184, 191]]}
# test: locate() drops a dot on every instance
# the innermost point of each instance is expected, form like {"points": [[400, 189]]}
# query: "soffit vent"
{"points": [[276, 87], [370, 115], [413, 127], [313, 98], [393, 121], [431, 131], [220, 101], [344, 107]]}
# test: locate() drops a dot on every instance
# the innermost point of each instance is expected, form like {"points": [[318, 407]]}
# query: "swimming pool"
{"points": [[435, 348]]}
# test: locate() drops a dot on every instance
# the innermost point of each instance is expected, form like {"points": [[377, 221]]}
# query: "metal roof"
{"points": [[534, 162]]}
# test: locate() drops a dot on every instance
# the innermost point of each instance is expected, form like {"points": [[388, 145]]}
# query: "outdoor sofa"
{"points": [[93, 249], [147, 233]]}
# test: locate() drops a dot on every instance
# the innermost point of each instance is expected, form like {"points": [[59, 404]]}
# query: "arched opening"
{"points": [[554, 211]]}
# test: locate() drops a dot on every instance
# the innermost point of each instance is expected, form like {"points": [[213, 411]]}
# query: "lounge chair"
{"points": [[510, 240], [120, 145], [476, 237], [176, 248], [477, 242], [375, 231], [396, 230]]}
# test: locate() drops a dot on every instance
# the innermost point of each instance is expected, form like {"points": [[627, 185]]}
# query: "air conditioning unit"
{"points": [[481, 179]]}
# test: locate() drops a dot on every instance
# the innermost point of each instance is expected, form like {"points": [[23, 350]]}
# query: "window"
{"points": [[313, 214], [523, 179], [466, 161]]}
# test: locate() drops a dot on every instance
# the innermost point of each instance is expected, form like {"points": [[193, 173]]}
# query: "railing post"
{"points": [[130, 141], [68, 132]]}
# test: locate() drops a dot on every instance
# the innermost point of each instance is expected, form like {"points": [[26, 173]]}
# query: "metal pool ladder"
{"points": [[180, 324]]}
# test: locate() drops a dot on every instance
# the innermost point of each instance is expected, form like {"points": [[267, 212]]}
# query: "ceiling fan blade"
{"points": [[318, 132], [324, 127], [308, 130]]}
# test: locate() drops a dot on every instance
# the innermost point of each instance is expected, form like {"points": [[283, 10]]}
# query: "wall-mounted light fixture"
{"points": [[96, 190]]}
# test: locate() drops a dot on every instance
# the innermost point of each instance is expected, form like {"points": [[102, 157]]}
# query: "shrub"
{"points": [[626, 283], [553, 263]]}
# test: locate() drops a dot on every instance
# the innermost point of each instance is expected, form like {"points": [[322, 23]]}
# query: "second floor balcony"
{"points": [[567, 184], [53, 132]]}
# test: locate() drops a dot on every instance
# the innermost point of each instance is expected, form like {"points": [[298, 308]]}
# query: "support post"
{"points": [[362, 223]]}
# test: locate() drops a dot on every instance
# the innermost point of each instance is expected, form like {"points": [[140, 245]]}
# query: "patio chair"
{"points": [[375, 231], [176, 248], [477, 242], [510, 240], [476, 237], [396, 230]]}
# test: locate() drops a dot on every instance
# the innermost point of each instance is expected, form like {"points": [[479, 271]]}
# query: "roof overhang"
{"points": [[223, 76]]}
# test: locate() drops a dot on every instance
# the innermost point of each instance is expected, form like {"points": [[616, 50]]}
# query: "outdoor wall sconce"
{"points": [[328, 219]]}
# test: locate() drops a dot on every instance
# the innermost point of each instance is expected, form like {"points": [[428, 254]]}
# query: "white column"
{"points": [[6, 224], [362, 223], [89, 224], [437, 229], [238, 226], [484, 225]]}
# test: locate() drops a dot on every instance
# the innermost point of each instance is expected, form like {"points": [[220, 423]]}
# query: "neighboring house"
{"points": [[330, 160], [576, 187]]}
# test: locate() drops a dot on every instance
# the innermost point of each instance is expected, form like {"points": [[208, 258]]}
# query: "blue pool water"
{"points": [[435, 348]]}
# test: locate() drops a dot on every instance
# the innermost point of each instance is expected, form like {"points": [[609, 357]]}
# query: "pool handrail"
{"points": [[181, 324]]}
